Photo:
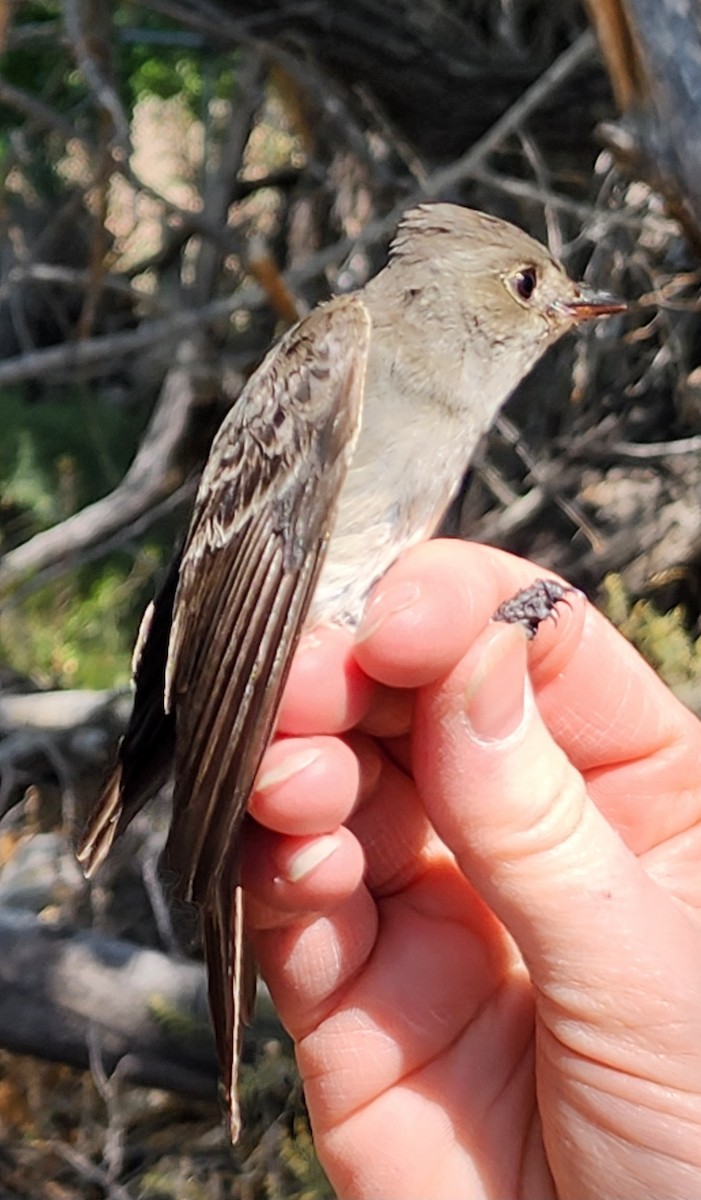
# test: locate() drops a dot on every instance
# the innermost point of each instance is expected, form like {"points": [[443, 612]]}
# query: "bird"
{"points": [[345, 447]]}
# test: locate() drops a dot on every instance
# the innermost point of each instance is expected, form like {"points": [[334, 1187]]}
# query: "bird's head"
{"points": [[482, 301], [490, 277]]}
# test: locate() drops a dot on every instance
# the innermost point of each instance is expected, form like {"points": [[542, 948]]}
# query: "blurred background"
{"points": [[179, 181]]}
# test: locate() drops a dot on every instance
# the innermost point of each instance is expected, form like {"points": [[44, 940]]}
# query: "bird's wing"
{"points": [[146, 750], [256, 544]]}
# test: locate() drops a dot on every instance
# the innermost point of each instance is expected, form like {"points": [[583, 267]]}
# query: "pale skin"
{"points": [[479, 915]]}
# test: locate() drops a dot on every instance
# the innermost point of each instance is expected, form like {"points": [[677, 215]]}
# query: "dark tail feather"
{"points": [[99, 833], [146, 750], [232, 982]]}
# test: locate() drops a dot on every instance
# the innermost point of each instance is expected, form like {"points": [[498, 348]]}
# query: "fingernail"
{"points": [[312, 856], [385, 604], [291, 765], [496, 692]]}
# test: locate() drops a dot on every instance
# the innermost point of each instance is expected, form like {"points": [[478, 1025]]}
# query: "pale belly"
{"points": [[361, 551]]}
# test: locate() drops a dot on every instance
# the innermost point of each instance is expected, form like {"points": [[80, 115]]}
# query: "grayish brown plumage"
{"points": [[346, 446]]}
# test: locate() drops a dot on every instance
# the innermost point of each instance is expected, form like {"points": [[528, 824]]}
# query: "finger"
{"points": [[289, 878], [638, 747], [308, 786], [632, 715], [426, 611], [327, 691], [515, 812], [374, 992], [309, 962], [392, 826], [389, 712]]}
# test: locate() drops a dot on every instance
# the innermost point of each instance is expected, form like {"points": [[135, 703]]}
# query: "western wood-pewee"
{"points": [[346, 446]]}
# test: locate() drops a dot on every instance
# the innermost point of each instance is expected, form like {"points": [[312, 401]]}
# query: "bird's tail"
{"points": [[99, 833], [232, 983]]}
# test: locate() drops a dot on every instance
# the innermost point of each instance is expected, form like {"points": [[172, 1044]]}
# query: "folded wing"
{"points": [[256, 544]]}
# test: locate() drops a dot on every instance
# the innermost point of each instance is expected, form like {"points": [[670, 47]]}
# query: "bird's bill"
{"points": [[588, 304]]}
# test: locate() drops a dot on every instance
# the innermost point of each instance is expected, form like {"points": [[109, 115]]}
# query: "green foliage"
{"points": [[78, 632], [663, 639], [155, 58], [164, 76], [308, 1180], [176, 1023], [57, 455], [152, 57], [159, 67], [25, 487], [162, 1183], [44, 69]]}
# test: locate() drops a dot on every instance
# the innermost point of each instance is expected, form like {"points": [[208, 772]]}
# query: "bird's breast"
{"points": [[408, 463]]}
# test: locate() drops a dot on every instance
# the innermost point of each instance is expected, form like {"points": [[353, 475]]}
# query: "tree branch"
{"points": [[42, 114], [63, 990], [150, 478], [56, 985]]}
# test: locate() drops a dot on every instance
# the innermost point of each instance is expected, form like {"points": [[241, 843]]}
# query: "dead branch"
{"points": [[221, 181], [71, 277], [152, 476], [83, 45], [147, 1012], [56, 735], [99, 350], [40, 113], [63, 991], [180, 499], [652, 54], [189, 222], [154, 473], [567, 64]]}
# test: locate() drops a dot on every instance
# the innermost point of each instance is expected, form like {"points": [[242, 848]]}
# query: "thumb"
{"points": [[504, 797]]}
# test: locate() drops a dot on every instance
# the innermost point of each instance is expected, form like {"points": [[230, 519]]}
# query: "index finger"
{"points": [[639, 747]]}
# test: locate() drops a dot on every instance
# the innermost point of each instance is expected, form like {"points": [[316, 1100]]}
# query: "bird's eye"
{"points": [[524, 283]]}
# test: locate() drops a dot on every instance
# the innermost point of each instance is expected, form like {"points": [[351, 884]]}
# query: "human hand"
{"points": [[478, 914]]}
